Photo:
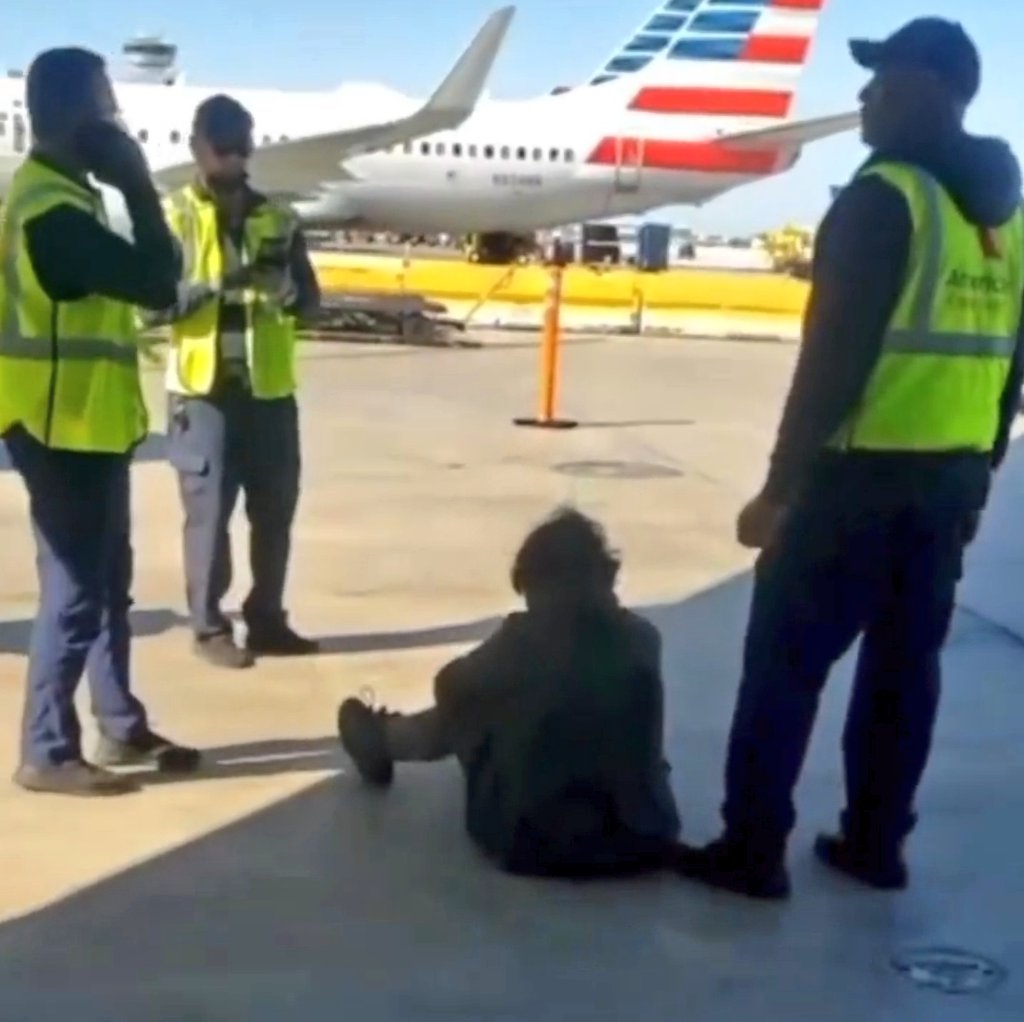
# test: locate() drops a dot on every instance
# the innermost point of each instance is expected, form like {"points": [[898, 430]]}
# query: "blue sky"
{"points": [[319, 43]]}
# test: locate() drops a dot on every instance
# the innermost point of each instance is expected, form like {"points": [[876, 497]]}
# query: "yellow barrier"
{"points": [[675, 289]]}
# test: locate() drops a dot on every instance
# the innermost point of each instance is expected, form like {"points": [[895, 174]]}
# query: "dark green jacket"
{"points": [[558, 722]]}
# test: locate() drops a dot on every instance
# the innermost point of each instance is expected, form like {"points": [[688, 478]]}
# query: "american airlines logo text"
{"points": [[983, 283]]}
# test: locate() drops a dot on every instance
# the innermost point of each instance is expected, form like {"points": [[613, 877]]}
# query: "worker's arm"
{"points": [[301, 295], [189, 299], [74, 255], [1011, 402], [859, 267], [298, 294]]}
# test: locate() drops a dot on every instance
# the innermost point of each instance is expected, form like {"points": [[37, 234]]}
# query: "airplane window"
{"points": [[521, 153], [472, 152], [553, 155], [425, 148], [456, 149], [440, 148], [505, 152], [143, 135], [538, 155], [569, 156], [175, 137], [488, 152]]}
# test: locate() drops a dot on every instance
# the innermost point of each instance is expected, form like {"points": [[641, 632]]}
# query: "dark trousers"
{"points": [[546, 846], [80, 507], [219, 445], [855, 557]]}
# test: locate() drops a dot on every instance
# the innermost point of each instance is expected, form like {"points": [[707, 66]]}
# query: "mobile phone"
{"points": [[272, 252], [107, 150]]}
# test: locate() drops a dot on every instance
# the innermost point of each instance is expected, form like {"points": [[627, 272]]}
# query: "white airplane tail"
{"points": [[745, 45], [699, 73]]}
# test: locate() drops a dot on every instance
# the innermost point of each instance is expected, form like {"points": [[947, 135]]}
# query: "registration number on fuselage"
{"points": [[517, 181]]}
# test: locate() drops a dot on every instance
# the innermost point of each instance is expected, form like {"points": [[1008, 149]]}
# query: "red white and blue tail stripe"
{"points": [[760, 31], [705, 69]]}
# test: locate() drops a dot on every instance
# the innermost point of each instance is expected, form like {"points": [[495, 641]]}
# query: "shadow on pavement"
{"points": [[262, 759], [15, 635], [340, 902], [419, 638], [636, 423]]}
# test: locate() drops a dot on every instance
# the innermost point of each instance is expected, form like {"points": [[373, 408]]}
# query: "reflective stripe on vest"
{"points": [[63, 365], [946, 353], [270, 334]]}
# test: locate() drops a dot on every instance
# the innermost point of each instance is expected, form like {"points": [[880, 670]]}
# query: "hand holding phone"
{"points": [[112, 155], [266, 277], [272, 255]]}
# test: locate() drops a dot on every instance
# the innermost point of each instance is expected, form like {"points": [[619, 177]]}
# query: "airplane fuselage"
{"points": [[515, 166]]}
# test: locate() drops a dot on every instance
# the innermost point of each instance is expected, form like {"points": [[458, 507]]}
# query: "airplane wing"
{"points": [[793, 133], [305, 162]]}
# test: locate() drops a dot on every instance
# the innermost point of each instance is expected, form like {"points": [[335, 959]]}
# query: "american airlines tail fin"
{"points": [[721, 58], [708, 86]]}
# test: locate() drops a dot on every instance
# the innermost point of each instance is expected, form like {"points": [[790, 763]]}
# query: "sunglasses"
{"points": [[233, 147]]}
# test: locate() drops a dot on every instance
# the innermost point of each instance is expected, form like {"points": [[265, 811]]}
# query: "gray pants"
{"points": [[218, 445]]}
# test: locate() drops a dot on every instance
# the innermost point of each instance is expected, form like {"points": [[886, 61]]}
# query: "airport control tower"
{"points": [[151, 59]]}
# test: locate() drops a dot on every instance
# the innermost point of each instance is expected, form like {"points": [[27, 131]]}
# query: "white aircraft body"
{"points": [[694, 104]]}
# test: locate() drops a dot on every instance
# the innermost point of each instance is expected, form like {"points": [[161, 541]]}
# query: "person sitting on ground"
{"points": [[556, 720]]}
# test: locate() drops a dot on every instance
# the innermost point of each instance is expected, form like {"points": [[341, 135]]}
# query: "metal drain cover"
{"points": [[617, 470], [949, 970]]}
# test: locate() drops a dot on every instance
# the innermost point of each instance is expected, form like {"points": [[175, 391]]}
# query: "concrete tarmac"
{"points": [[272, 886]]}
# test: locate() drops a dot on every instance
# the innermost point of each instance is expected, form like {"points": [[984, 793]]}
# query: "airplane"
{"points": [[309, 133], [695, 103]]}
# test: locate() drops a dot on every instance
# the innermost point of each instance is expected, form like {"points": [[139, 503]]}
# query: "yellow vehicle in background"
{"points": [[791, 249]]}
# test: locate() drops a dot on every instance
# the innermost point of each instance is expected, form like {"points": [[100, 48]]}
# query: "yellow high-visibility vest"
{"points": [[270, 331], [69, 371], [947, 350]]}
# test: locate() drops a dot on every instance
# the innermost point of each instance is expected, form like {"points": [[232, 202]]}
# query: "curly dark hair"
{"points": [[567, 553]]}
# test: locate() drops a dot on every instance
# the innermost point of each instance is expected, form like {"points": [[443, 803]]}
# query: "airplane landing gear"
{"points": [[499, 248]]}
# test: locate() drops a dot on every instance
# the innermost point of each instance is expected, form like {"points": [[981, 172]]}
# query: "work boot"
{"points": [[279, 639], [147, 749], [730, 866], [222, 651], [363, 736], [76, 778], [885, 871]]}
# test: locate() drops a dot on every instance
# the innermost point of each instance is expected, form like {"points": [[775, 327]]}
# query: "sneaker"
{"points": [[884, 872], [279, 640], [149, 749], [729, 866], [75, 777], [222, 651], [361, 730]]}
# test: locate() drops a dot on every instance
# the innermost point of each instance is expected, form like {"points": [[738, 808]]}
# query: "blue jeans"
{"points": [[80, 508]]}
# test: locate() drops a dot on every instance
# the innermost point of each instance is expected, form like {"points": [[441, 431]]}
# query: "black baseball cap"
{"points": [[933, 44]]}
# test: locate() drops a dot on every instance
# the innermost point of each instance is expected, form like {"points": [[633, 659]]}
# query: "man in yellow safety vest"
{"points": [[72, 412], [900, 409], [233, 422]]}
